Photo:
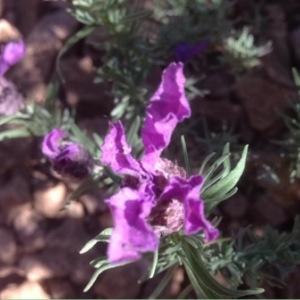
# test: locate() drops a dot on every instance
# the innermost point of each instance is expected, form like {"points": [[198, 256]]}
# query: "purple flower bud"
{"points": [[11, 53], [11, 101], [67, 158]]}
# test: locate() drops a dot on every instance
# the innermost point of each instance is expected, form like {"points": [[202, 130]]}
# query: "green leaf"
{"points": [[14, 133], [204, 163], [8, 119], [105, 265], [185, 155], [296, 77], [226, 163], [119, 109], [203, 282], [154, 264], [212, 169], [52, 92], [133, 131], [103, 236], [98, 262], [82, 138], [215, 193]]}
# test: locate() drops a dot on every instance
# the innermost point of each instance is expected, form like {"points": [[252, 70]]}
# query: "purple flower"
{"points": [[67, 158], [156, 197], [11, 53], [185, 52]]}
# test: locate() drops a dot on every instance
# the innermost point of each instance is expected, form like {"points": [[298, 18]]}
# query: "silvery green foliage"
{"points": [[242, 48], [34, 120], [249, 258], [126, 54], [134, 40]]}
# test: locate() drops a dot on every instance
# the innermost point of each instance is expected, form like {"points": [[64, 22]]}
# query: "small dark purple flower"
{"points": [[185, 52], [156, 197], [11, 101], [67, 158]]}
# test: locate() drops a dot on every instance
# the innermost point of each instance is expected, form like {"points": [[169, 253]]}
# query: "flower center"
{"points": [[169, 169], [167, 217]]}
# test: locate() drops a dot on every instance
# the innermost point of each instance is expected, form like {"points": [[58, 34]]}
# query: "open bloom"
{"points": [[67, 158], [156, 198]]}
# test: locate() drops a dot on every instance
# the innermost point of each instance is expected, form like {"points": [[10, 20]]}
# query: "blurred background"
{"points": [[241, 88]]}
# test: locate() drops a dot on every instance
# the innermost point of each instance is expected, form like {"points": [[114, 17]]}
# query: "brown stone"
{"points": [[82, 91], [219, 83], [295, 43], [270, 212], [91, 204], [292, 289], [82, 271], [169, 292], [60, 289], [26, 290], [119, 283], [10, 275], [8, 249], [106, 220], [222, 110], [261, 99], [51, 262], [75, 210], [49, 202], [70, 235], [236, 206], [29, 227], [277, 64], [14, 196]]}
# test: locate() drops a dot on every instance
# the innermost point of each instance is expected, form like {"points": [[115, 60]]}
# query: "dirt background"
{"points": [[40, 243]]}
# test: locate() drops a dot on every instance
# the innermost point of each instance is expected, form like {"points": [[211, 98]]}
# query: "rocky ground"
{"points": [[40, 242]]}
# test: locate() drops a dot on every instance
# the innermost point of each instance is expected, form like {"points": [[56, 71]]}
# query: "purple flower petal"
{"points": [[11, 54], [116, 152], [51, 142], [131, 235], [195, 220], [188, 191], [73, 160], [167, 107]]}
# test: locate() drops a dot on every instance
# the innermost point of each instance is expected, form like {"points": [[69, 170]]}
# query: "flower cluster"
{"points": [[68, 158], [157, 197]]}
